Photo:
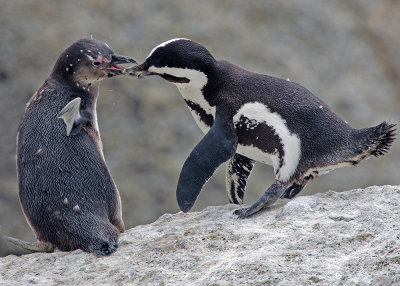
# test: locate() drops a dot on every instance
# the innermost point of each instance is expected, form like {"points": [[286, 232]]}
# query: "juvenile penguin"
{"points": [[250, 117], [66, 191]]}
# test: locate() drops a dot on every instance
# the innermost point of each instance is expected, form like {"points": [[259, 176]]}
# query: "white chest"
{"points": [[290, 142], [255, 111], [196, 98], [96, 127]]}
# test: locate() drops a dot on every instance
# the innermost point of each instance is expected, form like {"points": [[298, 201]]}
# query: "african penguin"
{"points": [[66, 191], [250, 117]]}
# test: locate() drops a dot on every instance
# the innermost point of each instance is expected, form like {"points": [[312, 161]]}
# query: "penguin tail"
{"points": [[39, 246], [377, 140]]}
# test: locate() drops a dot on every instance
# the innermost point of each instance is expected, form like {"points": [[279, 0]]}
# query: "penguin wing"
{"points": [[216, 147], [238, 170], [70, 114]]}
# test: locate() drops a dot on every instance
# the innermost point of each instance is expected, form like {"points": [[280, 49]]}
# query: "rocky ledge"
{"points": [[348, 238]]}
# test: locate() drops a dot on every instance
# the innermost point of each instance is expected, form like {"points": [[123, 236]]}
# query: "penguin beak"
{"points": [[113, 68], [117, 59], [143, 70], [140, 71]]}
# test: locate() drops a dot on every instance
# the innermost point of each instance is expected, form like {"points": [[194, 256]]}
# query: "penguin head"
{"points": [[88, 61], [180, 61]]}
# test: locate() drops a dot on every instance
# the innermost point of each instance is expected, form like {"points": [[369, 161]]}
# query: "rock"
{"points": [[349, 238]]}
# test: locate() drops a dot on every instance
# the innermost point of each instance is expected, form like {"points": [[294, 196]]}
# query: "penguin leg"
{"points": [[293, 191], [238, 170], [216, 147], [267, 199], [39, 246], [73, 117]]}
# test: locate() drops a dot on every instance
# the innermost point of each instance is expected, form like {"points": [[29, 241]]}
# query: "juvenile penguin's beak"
{"points": [[113, 68]]}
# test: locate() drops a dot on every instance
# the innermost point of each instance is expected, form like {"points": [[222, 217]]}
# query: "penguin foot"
{"points": [[267, 199], [248, 212], [292, 191], [243, 212], [31, 246]]}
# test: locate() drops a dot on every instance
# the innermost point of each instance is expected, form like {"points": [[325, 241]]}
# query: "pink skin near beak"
{"points": [[102, 59]]}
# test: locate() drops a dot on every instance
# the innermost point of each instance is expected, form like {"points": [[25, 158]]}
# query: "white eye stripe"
{"points": [[196, 77], [164, 44]]}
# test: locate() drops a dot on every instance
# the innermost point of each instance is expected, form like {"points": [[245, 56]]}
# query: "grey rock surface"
{"points": [[349, 238]]}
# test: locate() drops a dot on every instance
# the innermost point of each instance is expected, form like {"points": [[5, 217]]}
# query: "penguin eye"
{"points": [[96, 64]]}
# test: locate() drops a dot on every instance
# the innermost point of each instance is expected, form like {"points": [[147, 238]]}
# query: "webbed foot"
{"points": [[292, 191], [267, 199]]}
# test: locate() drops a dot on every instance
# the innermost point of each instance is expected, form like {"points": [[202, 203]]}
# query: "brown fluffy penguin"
{"points": [[66, 191]]}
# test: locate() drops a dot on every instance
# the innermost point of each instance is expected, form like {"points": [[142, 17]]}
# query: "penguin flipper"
{"points": [[216, 147], [71, 114], [238, 169], [31, 246]]}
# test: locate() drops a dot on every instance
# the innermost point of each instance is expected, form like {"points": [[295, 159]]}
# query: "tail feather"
{"points": [[380, 138], [39, 246]]}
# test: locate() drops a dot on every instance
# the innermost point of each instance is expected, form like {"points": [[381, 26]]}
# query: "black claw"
{"points": [[267, 199], [244, 213]]}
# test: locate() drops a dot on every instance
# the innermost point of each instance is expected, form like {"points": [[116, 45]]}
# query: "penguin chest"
{"points": [[250, 138], [96, 133], [263, 135]]}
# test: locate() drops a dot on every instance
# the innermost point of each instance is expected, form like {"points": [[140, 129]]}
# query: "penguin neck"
{"points": [[88, 95], [73, 88], [196, 90], [88, 89], [201, 108], [84, 87], [192, 93], [77, 79]]}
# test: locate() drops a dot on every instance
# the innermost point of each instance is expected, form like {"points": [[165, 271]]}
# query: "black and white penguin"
{"points": [[66, 191], [250, 117]]}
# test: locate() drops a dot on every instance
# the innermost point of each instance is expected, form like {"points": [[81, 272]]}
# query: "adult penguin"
{"points": [[251, 117]]}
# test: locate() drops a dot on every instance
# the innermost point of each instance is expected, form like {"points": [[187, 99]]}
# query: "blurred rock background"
{"points": [[345, 52]]}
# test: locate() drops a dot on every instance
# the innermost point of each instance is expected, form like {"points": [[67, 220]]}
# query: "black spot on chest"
{"points": [[259, 135], [208, 119]]}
